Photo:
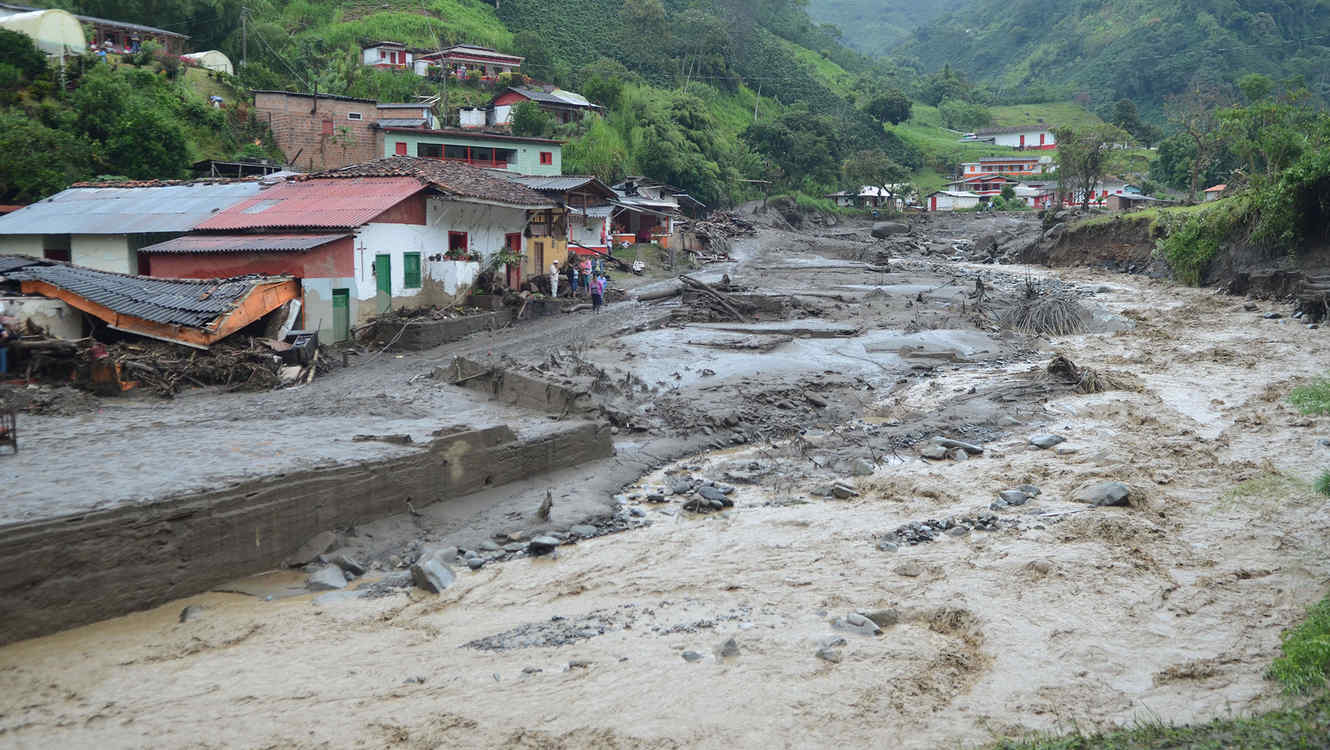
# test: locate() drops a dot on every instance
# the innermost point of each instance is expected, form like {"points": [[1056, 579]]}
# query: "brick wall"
{"points": [[298, 127]]}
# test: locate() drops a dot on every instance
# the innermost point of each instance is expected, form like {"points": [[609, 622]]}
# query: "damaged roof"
{"points": [[128, 210], [452, 178], [241, 243], [339, 204], [183, 302], [555, 96]]}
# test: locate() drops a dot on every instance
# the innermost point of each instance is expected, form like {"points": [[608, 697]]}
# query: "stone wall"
{"points": [[516, 389], [65, 572], [427, 334]]}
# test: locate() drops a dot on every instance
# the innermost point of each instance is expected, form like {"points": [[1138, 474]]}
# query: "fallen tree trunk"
{"points": [[719, 298]]}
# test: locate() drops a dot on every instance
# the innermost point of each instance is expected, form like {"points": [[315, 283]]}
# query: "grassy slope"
{"points": [[470, 21]]}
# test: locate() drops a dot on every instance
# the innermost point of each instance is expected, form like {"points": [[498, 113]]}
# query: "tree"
{"points": [[962, 115], [18, 50], [1085, 156], [945, 84], [531, 121], [892, 106], [600, 151], [539, 63], [39, 160], [875, 168], [1269, 134], [1195, 113]]}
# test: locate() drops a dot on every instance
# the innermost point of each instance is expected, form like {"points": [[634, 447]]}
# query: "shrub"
{"points": [[1306, 661], [1313, 398], [1322, 484], [19, 51], [1192, 239]]}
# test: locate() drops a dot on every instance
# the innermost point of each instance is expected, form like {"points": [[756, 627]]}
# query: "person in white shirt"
{"points": [[554, 278]]}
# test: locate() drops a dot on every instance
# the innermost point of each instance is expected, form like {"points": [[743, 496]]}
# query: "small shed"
{"points": [[952, 200], [1215, 193], [212, 60], [55, 32]]}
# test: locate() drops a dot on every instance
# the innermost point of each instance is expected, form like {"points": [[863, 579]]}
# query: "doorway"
{"points": [[341, 313], [383, 279], [513, 270]]}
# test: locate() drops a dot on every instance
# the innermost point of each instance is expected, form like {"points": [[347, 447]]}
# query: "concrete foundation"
{"points": [[427, 334], [516, 389], [69, 571]]}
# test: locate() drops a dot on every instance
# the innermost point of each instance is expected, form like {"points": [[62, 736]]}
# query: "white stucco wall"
{"points": [[1013, 140], [501, 115], [456, 275], [486, 227], [59, 319], [105, 252], [21, 244], [586, 232], [471, 117]]}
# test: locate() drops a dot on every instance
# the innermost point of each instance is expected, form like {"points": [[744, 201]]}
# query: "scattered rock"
{"points": [[432, 575], [310, 551], [1014, 497], [349, 566], [681, 486], [883, 618], [1103, 494], [884, 229], [856, 623], [971, 448], [584, 530], [192, 612], [829, 654], [728, 649], [691, 656], [708, 492], [542, 545], [959, 454], [958, 531], [843, 491], [579, 664], [861, 467], [815, 400], [326, 579], [832, 641], [417, 680], [656, 497], [1272, 316], [1046, 440], [933, 451], [909, 569], [1066, 450], [488, 546], [884, 545], [637, 513], [532, 670]]}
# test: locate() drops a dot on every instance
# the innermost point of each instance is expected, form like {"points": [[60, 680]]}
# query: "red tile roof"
{"points": [[449, 177], [341, 204]]}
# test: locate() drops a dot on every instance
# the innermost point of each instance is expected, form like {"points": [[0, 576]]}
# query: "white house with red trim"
{"points": [[950, 200], [461, 60], [386, 55], [984, 184], [1022, 137], [1008, 165]]}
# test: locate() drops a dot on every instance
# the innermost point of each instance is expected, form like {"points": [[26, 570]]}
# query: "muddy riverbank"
{"points": [[1012, 613]]}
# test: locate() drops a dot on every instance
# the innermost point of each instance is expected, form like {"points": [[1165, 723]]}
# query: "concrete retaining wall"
{"points": [[427, 334], [69, 571], [515, 388]]}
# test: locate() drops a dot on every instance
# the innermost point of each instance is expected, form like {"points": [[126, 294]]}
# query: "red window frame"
{"points": [[546, 157], [457, 241], [400, 148]]}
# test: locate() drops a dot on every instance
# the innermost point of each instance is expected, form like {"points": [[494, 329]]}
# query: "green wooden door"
{"points": [[383, 276], [341, 304]]}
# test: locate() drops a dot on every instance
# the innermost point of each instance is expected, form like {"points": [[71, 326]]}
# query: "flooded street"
{"points": [[1015, 618]]}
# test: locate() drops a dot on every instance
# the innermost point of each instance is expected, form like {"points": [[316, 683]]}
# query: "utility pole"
{"points": [[757, 100], [244, 35]]}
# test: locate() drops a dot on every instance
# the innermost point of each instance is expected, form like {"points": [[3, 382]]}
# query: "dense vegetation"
{"points": [[143, 121], [1143, 50], [875, 27]]}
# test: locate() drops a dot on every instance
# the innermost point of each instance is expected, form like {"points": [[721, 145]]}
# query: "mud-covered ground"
{"points": [[999, 619]]}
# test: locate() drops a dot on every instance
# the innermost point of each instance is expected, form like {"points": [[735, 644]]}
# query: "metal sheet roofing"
{"points": [[243, 243], [555, 183], [11, 262], [400, 122], [341, 204], [127, 210], [183, 302], [557, 96]]}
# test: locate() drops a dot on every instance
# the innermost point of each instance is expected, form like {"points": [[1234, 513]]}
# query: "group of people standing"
{"points": [[585, 277]]}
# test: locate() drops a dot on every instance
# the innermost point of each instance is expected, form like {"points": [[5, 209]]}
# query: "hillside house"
{"points": [[1215, 193], [517, 154], [564, 106], [462, 60], [1021, 137], [868, 196], [584, 205], [104, 226], [364, 238], [1034, 197], [122, 36], [984, 184], [647, 210], [950, 200], [387, 56], [1132, 202], [1011, 166], [325, 131]]}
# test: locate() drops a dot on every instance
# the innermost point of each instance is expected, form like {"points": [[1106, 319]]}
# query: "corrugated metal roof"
{"points": [[127, 210], [557, 96], [342, 204], [553, 182], [242, 243], [399, 122], [11, 262], [183, 302]]}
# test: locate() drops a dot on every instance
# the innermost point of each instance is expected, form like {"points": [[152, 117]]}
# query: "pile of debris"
{"points": [[704, 302], [237, 363], [714, 233]]}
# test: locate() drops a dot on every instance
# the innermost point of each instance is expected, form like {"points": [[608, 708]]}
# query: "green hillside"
{"points": [[1142, 50], [875, 26]]}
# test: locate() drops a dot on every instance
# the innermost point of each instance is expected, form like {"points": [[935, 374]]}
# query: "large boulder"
{"points": [[1103, 494], [884, 229], [432, 575]]}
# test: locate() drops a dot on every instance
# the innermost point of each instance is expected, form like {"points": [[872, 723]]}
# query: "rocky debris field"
{"points": [[895, 519]]}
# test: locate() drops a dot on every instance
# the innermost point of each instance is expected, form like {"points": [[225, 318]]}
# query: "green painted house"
{"points": [[534, 156]]}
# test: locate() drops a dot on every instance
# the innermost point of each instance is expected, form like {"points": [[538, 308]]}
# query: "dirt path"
{"points": [[1171, 607]]}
